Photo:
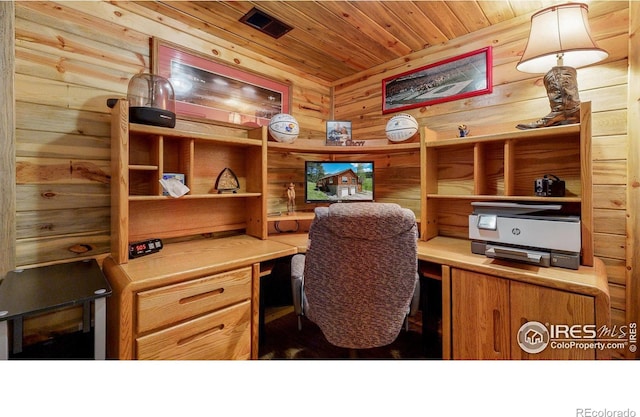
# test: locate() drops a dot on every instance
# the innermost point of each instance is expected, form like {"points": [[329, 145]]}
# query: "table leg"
{"points": [[4, 340], [86, 317], [100, 329], [17, 335]]}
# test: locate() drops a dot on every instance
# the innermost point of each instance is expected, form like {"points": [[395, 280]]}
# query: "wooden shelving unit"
{"points": [[141, 154], [503, 167]]}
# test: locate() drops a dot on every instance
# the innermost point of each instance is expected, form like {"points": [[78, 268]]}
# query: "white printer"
{"points": [[531, 233]]}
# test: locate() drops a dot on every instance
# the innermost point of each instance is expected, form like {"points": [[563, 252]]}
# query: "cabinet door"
{"points": [[480, 310], [556, 308]]}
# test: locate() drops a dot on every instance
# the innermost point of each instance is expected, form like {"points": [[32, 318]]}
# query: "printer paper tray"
{"points": [[517, 254]]}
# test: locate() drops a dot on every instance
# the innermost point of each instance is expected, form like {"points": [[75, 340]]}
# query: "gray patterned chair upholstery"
{"points": [[358, 280]]}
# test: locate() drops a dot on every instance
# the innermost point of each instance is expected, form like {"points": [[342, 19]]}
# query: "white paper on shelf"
{"points": [[174, 187]]}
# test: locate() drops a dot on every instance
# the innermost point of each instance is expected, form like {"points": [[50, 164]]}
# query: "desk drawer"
{"points": [[174, 303], [224, 334]]}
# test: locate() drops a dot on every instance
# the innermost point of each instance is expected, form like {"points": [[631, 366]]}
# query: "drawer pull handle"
{"points": [[201, 296], [200, 335], [497, 326]]}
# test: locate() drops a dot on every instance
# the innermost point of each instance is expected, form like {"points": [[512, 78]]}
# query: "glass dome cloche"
{"points": [[151, 100]]}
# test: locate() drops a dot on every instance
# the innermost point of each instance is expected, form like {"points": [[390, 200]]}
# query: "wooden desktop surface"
{"points": [[456, 253], [177, 261]]}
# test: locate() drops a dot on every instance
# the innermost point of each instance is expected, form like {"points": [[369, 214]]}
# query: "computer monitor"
{"points": [[339, 181]]}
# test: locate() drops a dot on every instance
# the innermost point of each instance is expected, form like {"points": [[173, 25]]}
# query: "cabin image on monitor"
{"points": [[339, 181], [342, 184]]}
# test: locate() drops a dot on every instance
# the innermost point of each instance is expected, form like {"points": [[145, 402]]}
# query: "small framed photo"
{"points": [[338, 132]]}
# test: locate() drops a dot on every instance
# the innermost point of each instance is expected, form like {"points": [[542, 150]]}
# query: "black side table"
{"points": [[38, 290]]}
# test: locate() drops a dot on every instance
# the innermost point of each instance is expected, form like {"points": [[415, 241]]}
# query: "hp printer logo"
{"points": [[515, 231]]}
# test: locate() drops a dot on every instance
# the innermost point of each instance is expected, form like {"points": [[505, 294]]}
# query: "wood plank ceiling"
{"points": [[331, 40]]}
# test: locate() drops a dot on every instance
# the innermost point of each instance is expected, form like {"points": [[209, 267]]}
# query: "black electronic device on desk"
{"points": [[144, 247]]}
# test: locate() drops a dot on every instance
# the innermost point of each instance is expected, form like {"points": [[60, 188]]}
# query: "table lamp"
{"points": [[559, 41]]}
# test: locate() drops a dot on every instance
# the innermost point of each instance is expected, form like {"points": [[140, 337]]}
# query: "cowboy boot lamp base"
{"points": [[562, 89]]}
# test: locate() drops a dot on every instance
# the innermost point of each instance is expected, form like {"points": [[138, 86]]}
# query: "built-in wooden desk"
{"points": [[164, 304], [192, 300], [500, 296]]}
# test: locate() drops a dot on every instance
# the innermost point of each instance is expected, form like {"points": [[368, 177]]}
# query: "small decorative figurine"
{"points": [[227, 182], [291, 198], [463, 131]]}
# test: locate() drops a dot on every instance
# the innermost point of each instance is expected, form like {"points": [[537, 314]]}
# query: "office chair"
{"points": [[358, 280]]}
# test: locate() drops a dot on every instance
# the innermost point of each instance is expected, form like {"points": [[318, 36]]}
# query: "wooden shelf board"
{"points": [[318, 147], [515, 135], [310, 215], [505, 198], [188, 135], [192, 196], [143, 167]]}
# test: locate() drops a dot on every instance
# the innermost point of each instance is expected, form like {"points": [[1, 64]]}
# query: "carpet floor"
{"points": [[281, 339]]}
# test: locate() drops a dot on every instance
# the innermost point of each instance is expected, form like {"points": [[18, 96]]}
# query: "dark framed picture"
{"points": [[210, 90], [455, 78], [338, 132]]}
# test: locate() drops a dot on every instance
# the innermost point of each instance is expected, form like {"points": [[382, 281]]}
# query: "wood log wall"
{"points": [[633, 168], [519, 97], [71, 56], [7, 140]]}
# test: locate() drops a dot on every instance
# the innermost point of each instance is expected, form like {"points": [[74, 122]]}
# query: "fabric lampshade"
{"points": [[560, 35]]}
